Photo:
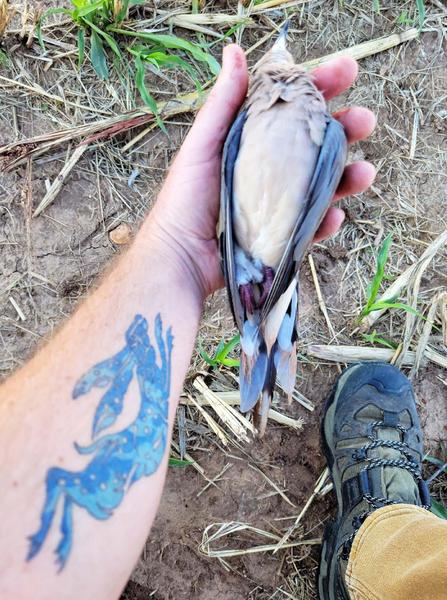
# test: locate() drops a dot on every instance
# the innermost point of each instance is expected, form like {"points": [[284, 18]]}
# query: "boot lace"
{"points": [[407, 462]]}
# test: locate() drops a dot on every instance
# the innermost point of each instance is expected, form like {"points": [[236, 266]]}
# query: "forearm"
{"points": [[123, 410]]}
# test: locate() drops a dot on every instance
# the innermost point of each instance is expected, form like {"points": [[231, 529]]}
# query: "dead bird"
{"points": [[283, 159]]}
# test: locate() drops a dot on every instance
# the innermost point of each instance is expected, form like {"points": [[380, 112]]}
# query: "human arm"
{"points": [[107, 498]]}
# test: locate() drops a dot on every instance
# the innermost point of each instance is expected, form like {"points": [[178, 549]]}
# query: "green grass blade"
{"points": [[229, 32], [177, 462], [380, 270], [231, 362], [161, 59], [438, 509], [98, 56], [119, 18], [381, 304], [81, 46], [107, 37], [141, 85], [228, 347], [374, 287], [206, 357], [174, 43], [420, 4], [45, 14], [147, 98], [373, 338], [83, 11], [434, 460], [4, 58]]}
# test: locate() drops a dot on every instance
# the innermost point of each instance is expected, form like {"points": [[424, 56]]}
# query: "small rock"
{"points": [[121, 234]]}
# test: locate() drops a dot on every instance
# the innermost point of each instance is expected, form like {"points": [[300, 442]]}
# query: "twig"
{"points": [[17, 308], [40, 92], [321, 481], [57, 184], [273, 484], [321, 302]]}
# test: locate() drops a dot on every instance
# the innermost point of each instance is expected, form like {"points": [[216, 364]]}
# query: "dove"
{"points": [[282, 161]]}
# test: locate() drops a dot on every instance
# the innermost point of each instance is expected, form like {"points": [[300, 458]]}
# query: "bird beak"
{"points": [[280, 44], [278, 52]]}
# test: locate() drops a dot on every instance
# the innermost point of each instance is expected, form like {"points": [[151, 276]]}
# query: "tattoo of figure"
{"points": [[120, 459]]}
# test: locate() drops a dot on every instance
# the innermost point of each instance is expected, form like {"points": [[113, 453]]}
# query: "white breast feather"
{"points": [[276, 161]]}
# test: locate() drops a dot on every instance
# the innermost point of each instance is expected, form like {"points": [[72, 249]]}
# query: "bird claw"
{"points": [[266, 284], [247, 297]]}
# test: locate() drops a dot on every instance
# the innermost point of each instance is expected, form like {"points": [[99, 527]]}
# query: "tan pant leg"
{"points": [[399, 553]]}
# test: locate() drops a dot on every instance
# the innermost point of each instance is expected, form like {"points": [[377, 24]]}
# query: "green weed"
{"points": [[101, 23], [372, 303], [403, 18], [178, 462], [221, 355], [4, 58], [438, 509], [374, 338]]}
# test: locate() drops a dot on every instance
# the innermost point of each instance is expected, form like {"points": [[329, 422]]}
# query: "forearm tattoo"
{"points": [[120, 459]]}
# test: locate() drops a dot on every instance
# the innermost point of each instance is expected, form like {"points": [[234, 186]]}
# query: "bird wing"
{"points": [[225, 234], [326, 177]]}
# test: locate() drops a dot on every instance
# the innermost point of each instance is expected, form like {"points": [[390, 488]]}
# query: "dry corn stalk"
{"points": [[215, 19], [438, 304], [117, 8], [350, 354], [273, 4], [16, 153], [4, 17], [413, 294], [219, 531], [319, 486]]}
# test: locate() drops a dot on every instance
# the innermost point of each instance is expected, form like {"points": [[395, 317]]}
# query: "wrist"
{"points": [[173, 255]]}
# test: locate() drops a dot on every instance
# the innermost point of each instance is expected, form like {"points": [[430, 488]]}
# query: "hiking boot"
{"points": [[372, 440]]}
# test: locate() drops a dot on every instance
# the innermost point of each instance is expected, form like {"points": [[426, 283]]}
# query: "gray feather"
{"points": [[252, 377], [226, 237]]}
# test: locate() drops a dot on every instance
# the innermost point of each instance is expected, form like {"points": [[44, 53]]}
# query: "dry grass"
{"points": [[58, 124]]}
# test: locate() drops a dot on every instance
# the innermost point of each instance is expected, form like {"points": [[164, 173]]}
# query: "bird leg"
{"points": [[266, 284], [247, 297]]}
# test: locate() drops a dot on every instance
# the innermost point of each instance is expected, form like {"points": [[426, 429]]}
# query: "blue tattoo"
{"points": [[119, 459]]}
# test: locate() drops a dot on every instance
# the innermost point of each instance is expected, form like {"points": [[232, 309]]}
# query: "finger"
{"points": [[357, 177], [358, 122], [217, 114], [336, 76], [330, 224]]}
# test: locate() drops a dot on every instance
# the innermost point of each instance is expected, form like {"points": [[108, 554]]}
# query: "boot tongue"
{"points": [[399, 483]]}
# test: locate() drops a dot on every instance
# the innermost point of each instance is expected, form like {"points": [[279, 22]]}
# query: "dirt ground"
{"points": [[49, 263]]}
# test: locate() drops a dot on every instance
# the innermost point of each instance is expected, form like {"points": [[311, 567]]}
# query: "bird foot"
{"points": [[266, 285], [247, 297]]}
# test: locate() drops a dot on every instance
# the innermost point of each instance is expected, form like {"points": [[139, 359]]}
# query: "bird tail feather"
{"points": [[260, 369]]}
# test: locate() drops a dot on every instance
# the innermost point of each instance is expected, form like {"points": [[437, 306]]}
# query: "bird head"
{"points": [[278, 53]]}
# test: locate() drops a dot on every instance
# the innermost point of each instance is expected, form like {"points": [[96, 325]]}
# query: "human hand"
{"points": [[187, 210]]}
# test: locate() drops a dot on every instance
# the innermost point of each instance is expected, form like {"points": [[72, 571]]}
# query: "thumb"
{"points": [[214, 119]]}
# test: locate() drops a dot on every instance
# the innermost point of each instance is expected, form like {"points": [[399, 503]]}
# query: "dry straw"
{"points": [[4, 16]]}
